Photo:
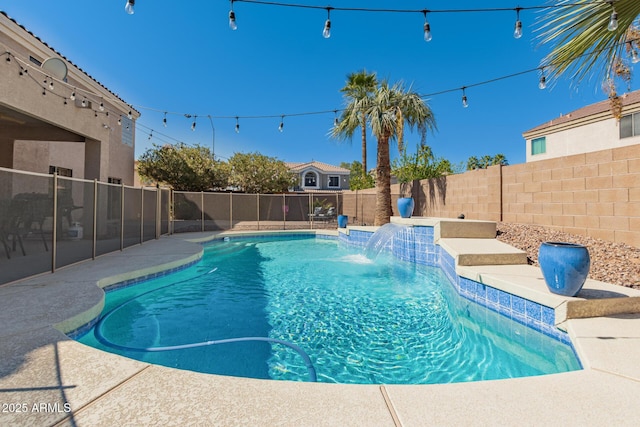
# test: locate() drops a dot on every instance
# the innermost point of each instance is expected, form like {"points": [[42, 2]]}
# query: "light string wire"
{"points": [[25, 66], [377, 10]]}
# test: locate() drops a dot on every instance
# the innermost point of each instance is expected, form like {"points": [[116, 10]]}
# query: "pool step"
{"points": [[482, 251]]}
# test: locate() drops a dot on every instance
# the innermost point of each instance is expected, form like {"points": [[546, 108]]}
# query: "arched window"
{"points": [[310, 179]]}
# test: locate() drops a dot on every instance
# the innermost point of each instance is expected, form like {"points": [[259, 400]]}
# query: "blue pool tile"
{"points": [[504, 299], [493, 296], [517, 304], [533, 310], [548, 316]]}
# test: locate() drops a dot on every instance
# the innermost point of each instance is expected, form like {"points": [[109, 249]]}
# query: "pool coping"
{"points": [[43, 366]]}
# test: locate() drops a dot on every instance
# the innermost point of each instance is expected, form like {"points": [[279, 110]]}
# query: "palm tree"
{"points": [[359, 87], [584, 42], [388, 110]]}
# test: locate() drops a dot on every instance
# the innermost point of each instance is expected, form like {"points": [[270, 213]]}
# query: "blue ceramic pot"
{"points": [[565, 267], [342, 221], [405, 206]]}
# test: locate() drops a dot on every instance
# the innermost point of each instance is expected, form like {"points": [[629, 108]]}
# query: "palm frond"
{"points": [[582, 44]]}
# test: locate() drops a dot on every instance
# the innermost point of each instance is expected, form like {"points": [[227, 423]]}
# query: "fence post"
{"points": [[310, 215], [202, 211], [230, 210], [141, 215], [122, 216], [258, 208], [158, 212], [54, 233], [95, 218], [284, 212]]}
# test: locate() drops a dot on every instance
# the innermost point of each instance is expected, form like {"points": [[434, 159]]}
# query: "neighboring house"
{"points": [[588, 129], [56, 118], [318, 176]]}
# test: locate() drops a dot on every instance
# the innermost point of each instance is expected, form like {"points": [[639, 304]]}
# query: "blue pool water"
{"points": [[359, 321]]}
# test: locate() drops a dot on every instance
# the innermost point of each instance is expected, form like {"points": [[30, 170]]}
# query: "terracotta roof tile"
{"points": [[324, 167], [589, 110]]}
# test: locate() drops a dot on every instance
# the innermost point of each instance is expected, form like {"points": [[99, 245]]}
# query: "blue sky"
{"points": [[182, 58]]}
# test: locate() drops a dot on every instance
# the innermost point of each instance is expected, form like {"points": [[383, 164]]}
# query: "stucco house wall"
{"points": [[588, 129], [42, 126]]}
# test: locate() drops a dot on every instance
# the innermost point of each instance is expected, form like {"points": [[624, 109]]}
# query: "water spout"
{"points": [[382, 238]]}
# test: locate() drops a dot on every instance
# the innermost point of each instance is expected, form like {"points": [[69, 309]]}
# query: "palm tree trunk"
{"points": [[383, 183], [364, 144]]}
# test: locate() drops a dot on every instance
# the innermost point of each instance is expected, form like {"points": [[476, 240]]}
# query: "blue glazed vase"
{"points": [[342, 221], [565, 266], [405, 206]]}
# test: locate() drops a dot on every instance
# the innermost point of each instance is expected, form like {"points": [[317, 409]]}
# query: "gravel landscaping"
{"points": [[615, 263]]}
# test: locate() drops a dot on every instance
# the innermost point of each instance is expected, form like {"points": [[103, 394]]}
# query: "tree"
{"points": [[485, 161], [183, 167], [585, 42], [422, 165], [359, 88], [357, 179], [257, 173], [387, 110]]}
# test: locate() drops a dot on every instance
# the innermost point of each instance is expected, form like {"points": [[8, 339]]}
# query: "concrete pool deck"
{"points": [[48, 379]]}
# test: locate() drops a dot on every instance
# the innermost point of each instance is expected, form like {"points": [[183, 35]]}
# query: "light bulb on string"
{"points": [[150, 135], [634, 53], [326, 32], [130, 115], [517, 32], [237, 125], [84, 102], [281, 126], [335, 119], [613, 21], [232, 18], [101, 106], [193, 125], [73, 96], [164, 120], [427, 28], [129, 6], [50, 84], [8, 57], [465, 103], [120, 121], [542, 84]]}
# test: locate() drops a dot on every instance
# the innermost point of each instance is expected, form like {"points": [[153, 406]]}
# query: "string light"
{"points": [[335, 119], [281, 127], [465, 104], [164, 120], [120, 121], [542, 84], [237, 125], [427, 28], [517, 32], [129, 7], [613, 21], [130, 115], [73, 95], [150, 135], [193, 125], [101, 106], [326, 32], [232, 18], [84, 102]]}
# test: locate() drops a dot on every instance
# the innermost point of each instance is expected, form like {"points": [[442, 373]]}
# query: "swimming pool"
{"points": [[358, 321]]}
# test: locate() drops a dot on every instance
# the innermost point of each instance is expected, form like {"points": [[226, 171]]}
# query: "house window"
{"points": [[539, 145], [630, 125], [60, 171], [310, 179], [112, 180], [334, 181]]}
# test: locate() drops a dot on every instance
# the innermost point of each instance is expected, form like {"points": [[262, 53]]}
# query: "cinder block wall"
{"points": [[593, 194]]}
